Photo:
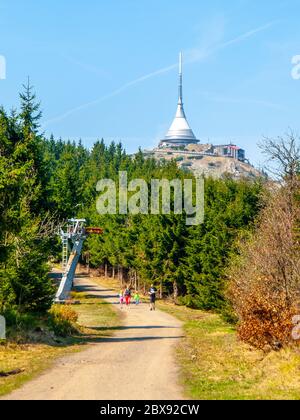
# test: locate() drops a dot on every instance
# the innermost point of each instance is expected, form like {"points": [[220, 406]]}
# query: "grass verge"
{"points": [[39, 351], [215, 365]]}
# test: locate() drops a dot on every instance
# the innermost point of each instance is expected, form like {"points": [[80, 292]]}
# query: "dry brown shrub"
{"points": [[265, 278]]}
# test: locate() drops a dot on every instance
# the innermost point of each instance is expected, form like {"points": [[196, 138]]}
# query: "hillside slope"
{"points": [[209, 165]]}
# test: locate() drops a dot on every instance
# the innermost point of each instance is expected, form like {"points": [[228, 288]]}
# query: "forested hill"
{"points": [[45, 181]]}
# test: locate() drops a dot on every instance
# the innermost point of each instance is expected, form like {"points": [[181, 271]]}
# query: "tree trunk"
{"points": [[121, 276], [175, 290], [161, 290], [135, 280], [113, 271], [105, 271], [88, 263]]}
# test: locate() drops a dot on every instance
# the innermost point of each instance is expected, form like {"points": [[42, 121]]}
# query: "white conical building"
{"points": [[180, 133]]}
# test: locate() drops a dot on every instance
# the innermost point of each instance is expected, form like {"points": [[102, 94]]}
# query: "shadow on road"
{"points": [[90, 289], [122, 328], [129, 339], [102, 297]]}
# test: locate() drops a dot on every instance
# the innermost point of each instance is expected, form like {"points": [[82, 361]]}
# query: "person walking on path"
{"points": [[152, 294], [127, 295]]}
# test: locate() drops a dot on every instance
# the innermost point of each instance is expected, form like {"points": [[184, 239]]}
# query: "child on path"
{"points": [[121, 298], [137, 298]]}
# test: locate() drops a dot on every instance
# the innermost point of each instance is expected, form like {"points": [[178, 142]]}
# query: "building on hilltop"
{"points": [[181, 145], [181, 136], [180, 133]]}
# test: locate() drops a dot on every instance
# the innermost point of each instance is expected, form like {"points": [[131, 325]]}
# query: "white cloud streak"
{"points": [[194, 55]]}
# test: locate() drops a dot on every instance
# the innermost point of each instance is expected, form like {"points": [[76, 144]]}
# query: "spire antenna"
{"points": [[180, 133], [180, 79]]}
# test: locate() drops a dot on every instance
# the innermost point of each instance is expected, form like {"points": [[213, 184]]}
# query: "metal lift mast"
{"points": [[76, 234]]}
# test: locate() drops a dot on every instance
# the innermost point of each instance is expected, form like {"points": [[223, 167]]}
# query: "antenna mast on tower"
{"points": [[180, 79]]}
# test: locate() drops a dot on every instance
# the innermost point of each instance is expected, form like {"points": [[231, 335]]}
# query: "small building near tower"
{"points": [[230, 150]]}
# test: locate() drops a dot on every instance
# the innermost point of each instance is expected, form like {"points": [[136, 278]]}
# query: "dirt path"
{"points": [[136, 363]]}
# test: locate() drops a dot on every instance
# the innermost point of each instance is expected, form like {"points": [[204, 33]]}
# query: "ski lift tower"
{"points": [[72, 239]]}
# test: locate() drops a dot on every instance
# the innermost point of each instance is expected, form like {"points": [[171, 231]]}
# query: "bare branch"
{"points": [[284, 153]]}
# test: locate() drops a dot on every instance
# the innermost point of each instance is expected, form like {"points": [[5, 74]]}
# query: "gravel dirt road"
{"points": [[136, 363]]}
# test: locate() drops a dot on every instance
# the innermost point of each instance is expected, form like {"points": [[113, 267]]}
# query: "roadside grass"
{"points": [[29, 359], [215, 365], [40, 351]]}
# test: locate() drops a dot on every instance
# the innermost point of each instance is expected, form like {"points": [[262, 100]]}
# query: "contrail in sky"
{"points": [[195, 56], [111, 94], [247, 35]]}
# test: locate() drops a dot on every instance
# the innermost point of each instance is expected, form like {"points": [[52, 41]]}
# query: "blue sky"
{"points": [[106, 68]]}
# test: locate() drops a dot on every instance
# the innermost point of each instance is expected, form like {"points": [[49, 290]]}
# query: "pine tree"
{"points": [[22, 181]]}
